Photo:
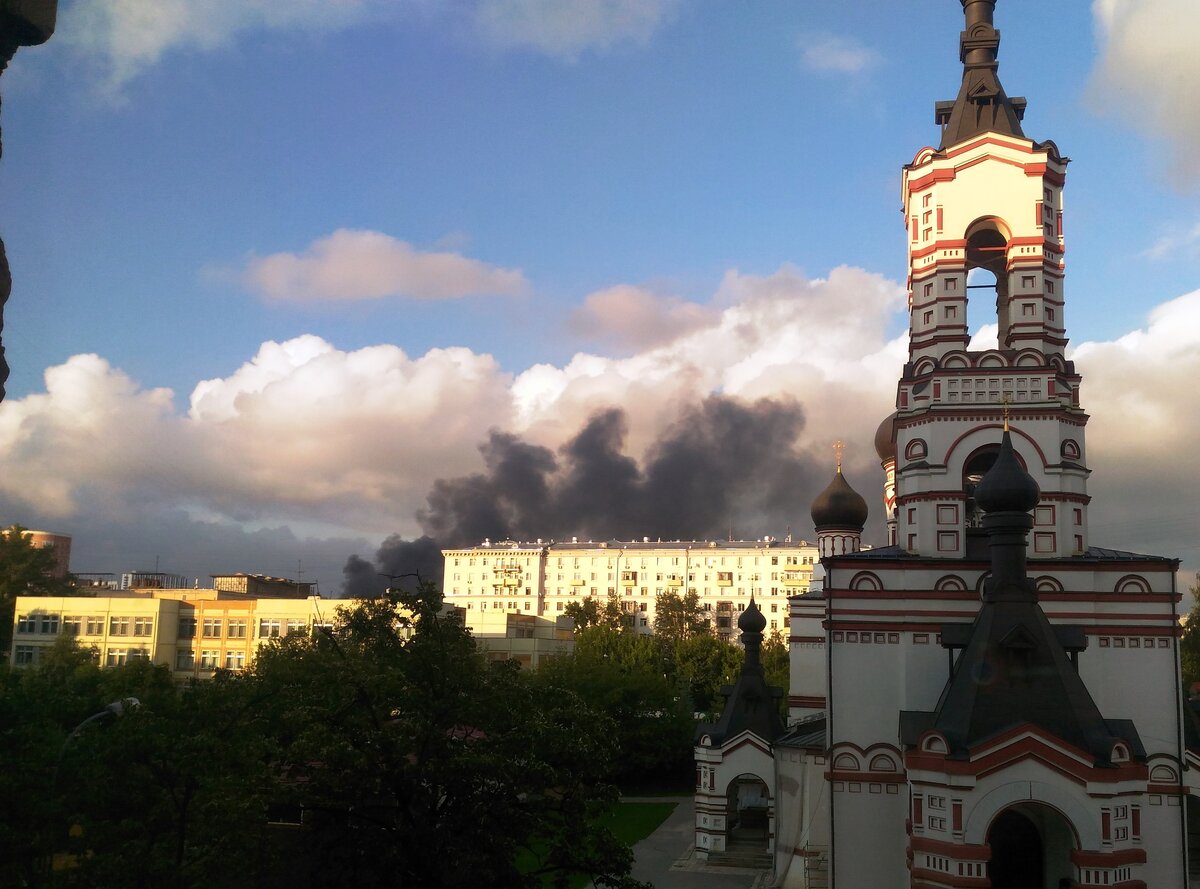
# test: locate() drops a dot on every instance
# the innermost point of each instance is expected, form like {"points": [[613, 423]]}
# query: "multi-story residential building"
{"points": [[197, 631], [193, 631], [541, 578]]}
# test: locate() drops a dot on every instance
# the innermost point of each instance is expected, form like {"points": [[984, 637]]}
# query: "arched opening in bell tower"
{"points": [[987, 250], [974, 469]]}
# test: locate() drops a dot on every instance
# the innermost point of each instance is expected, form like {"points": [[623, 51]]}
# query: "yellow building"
{"points": [[540, 579], [192, 631], [197, 631]]}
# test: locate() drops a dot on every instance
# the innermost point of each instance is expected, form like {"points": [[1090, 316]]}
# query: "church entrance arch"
{"points": [[1031, 848], [748, 809]]}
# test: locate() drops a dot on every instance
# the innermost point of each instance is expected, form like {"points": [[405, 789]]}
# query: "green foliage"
{"points": [[591, 613], [626, 676], [706, 664], [776, 663], [25, 570], [1189, 645], [414, 761], [678, 618]]}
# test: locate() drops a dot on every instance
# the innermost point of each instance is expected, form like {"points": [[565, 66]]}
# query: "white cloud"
{"points": [[834, 54], [1174, 244], [633, 317], [305, 435], [1149, 72], [351, 265], [821, 341], [127, 36], [1140, 391], [567, 28]]}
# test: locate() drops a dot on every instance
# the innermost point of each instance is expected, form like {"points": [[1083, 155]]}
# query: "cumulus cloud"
{"points": [[351, 265], [628, 317], [834, 54], [348, 444], [1148, 72], [127, 36], [567, 28], [1140, 392]]}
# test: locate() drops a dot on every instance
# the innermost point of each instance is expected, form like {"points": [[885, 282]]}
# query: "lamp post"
{"points": [[115, 710]]}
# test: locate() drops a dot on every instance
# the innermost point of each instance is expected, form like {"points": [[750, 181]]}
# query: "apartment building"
{"points": [[540, 579], [192, 631]]}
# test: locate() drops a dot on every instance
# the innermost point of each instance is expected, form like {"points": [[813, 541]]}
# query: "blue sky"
{"points": [[466, 198]]}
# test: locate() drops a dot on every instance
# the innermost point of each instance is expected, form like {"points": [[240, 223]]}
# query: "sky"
{"points": [[295, 276]]}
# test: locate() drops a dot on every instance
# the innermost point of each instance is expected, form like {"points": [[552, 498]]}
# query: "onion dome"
{"points": [[752, 620], [1007, 487], [839, 506], [885, 438]]}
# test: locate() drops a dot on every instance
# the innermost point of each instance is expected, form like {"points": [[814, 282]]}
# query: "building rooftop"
{"points": [[644, 543]]}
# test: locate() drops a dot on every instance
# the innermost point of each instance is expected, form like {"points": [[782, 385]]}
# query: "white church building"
{"points": [[990, 700]]}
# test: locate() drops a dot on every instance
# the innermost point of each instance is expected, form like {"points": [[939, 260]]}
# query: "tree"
{"points": [[590, 613], [627, 677], [1189, 645], [25, 570], [776, 664], [706, 664], [677, 618], [418, 763]]}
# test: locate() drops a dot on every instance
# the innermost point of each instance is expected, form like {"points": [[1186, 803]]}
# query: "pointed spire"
{"points": [[982, 105]]}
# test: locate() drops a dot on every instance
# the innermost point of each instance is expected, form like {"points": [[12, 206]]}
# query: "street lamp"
{"points": [[115, 710]]}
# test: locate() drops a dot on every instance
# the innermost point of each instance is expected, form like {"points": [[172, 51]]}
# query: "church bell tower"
{"points": [[984, 217]]}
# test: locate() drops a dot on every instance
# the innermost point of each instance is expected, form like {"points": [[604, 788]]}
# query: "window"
{"points": [[135, 653], [209, 659], [116, 657], [212, 628], [95, 625], [236, 628], [24, 654], [118, 626], [235, 660], [72, 625], [187, 628], [143, 626], [929, 317], [50, 624], [268, 628], [27, 623], [185, 659]]}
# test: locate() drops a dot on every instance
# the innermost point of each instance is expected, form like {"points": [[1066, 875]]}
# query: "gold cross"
{"points": [[1006, 399], [838, 447]]}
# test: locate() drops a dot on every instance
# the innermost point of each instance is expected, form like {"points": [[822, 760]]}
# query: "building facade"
{"points": [[192, 631], [541, 579], [992, 699]]}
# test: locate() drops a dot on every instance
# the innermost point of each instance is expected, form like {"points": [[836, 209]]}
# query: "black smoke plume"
{"points": [[725, 467]]}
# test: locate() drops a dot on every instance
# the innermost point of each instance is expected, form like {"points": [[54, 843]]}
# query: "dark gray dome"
{"points": [[885, 438], [751, 620], [1007, 487], [839, 506]]}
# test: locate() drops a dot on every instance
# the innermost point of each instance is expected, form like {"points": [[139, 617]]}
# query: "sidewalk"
{"points": [[667, 858]]}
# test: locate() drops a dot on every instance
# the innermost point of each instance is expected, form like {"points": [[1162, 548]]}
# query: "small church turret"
{"points": [[839, 514]]}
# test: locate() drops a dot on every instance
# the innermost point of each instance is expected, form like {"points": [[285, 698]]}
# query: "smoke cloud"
{"points": [[726, 466]]}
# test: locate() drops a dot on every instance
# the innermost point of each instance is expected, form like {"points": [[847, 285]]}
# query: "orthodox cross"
{"points": [[838, 447]]}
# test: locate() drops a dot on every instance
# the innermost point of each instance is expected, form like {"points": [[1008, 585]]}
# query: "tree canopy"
{"points": [[384, 751], [26, 569]]}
